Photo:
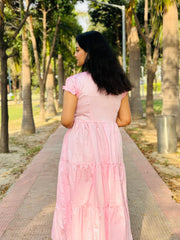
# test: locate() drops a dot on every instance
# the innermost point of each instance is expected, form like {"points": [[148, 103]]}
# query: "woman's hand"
{"points": [[124, 114], [69, 108]]}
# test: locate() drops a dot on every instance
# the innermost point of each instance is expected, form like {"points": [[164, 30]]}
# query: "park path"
{"points": [[27, 210]]}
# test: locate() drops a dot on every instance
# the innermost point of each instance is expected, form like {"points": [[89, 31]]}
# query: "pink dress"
{"points": [[91, 192]]}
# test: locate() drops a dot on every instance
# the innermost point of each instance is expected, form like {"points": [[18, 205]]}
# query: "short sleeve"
{"points": [[71, 85], [123, 95]]}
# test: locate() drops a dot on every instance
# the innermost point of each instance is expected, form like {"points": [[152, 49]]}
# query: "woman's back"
{"points": [[92, 105]]}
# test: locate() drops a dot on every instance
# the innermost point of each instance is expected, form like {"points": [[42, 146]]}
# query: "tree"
{"points": [[3, 67], [105, 15], [64, 52], [111, 19], [170, 69], [134, 63], [60, 79], [28, 126], [45, 9], [66, 44], [150, 35], [134, 73], [50, 109], [54, 10], [6, 43]]}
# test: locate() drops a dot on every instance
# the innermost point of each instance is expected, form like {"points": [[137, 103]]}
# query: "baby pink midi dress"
{"points": [[91, 191]]}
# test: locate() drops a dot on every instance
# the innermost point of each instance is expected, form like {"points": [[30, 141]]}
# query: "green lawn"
{"points": [[157, 106], [15, 111]]}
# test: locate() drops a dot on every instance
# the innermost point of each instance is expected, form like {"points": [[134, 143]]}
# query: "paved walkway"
{"points": [[27, 210]]}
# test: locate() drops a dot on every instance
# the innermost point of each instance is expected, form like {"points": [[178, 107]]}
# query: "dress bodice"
{"points": [[92, 105]]}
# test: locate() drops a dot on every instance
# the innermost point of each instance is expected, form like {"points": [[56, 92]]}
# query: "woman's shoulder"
{"points": [[81, 78], [82, 75], [78, 76], [78, 82]]}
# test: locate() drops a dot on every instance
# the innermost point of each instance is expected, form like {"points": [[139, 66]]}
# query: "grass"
{"points": [[15, 112], [166, 163], [32, 151], [157, 106], [18, 170]]}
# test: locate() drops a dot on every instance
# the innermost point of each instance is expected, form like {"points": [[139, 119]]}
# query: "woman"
{"points": [[91, 192]]}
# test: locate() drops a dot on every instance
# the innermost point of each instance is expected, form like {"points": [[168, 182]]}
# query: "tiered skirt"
{"points": [[91, 191]]}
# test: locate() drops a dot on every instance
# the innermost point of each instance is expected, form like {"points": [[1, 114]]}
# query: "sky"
{"points": [[82, 6], [83, 19]]}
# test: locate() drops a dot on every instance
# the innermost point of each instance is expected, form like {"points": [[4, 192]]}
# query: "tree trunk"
{"points": [[42, 88], [28, 126], [50, 110], [20, 89], [60, 79], [171, 65], [41, 79], [46, 65], [151, 73], [44, 41], [3, 76], [150, 121], [55, 84], [51, 50], [41, 84], [15, 88], [147, 37], [134, 73], [34, 44]]}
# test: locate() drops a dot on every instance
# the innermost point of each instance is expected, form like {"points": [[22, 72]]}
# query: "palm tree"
{"points": [[150, 35], [28, 126], [134, 63], [52, 8], [170, 84], [50, 110], [60, 79], [134, 73], [3, 65]]}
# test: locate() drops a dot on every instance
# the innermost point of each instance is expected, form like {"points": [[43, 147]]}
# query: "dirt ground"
{"points": [[24, 148], [167, 165]]}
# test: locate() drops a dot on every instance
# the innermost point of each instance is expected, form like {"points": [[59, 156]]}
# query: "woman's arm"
{"points": [[124, 114], [69, 108]]}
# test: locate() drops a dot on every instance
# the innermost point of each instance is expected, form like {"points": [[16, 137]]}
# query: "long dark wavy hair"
{"points": [[102, 63]]}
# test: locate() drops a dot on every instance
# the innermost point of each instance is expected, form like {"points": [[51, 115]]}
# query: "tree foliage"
{"points": [[111, 19], [10, 38]]}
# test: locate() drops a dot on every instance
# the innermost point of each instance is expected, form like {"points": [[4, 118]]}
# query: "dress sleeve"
{"points": [[71, 85], [123, 95]]}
